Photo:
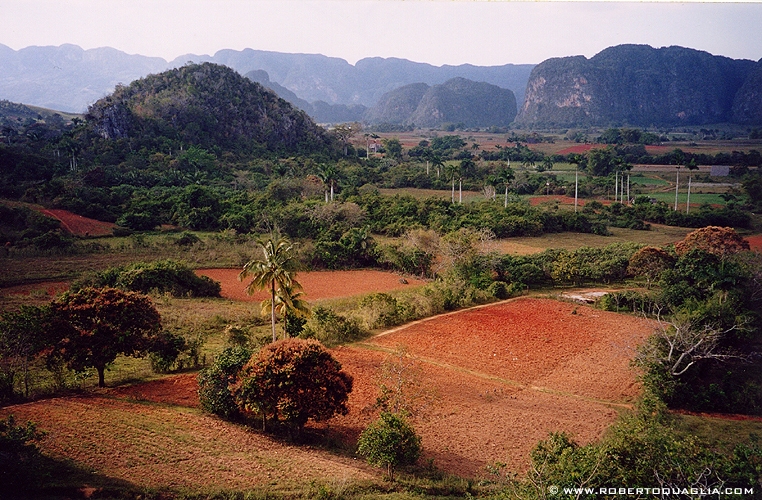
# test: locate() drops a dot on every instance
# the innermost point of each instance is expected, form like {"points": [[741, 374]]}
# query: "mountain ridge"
{"points": [[69, 78]]}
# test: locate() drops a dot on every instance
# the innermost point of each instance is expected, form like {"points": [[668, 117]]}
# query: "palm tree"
{"points": [[436, 162], [505, 176], [288, 303], [466, 168], [274, 271], [452, 171], [328, 174]]}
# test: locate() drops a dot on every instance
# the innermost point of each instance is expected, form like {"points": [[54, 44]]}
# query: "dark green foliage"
{"points": [[165, 351], [213, 381], [20, 226], [390, 442], [164, 276], [20, 464], [499, 290], [643, 450], [207, 105], [22, 340]]}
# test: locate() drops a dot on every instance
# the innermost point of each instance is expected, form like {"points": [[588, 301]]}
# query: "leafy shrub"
{"points": [[390, 442], [213, 381], [381, 310], [291, 381], [164, 276], [187, 239], [165, 350], [499, 290], [640, 449], [331, 328]]}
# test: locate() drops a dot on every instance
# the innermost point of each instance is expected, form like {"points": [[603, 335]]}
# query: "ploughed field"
{"points": [[502, 377]]}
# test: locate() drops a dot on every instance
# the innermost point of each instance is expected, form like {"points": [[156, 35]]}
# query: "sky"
{"points": [[432, 31]]}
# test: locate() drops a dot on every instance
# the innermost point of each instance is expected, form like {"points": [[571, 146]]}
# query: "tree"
{"points": [[601, 162], [94, 325], [213, 382], [505, 176], [289, 304], [466, 168], [452, 171], [344, 133], [328, 175], [21, 341], [291, 381], [438, 163], [393, 148], [390, 442], [274, 271], [719, 241], [649, 262]]}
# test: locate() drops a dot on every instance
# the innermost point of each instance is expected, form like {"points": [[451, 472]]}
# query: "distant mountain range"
{"points": [[68, 78], [626, 85]]}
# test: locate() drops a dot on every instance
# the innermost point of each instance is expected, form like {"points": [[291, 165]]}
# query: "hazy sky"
{"points": [[433, 31]]}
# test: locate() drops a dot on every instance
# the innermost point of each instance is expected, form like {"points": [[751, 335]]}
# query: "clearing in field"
{"points": [[504, 376]]}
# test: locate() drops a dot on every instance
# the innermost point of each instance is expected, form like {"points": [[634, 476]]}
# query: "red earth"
{"points": [[316, 284], [755, 242], [78, 225], [501, 377]]}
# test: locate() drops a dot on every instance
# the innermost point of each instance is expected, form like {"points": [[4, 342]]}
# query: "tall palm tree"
{"points": [[436, 162], [505, 176], [288, 303], [328, 174], [452, 171], [274, 271]]}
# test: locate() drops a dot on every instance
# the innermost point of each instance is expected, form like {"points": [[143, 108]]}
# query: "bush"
{"points": [[213, 392], [164, 276], [390, 442], [165, 350], [289, 382], [331, 328]]}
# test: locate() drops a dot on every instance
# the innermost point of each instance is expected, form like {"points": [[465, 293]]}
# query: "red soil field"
{"points": [[755, 242], [503, 376], [51, 288], [316, 284], [78, 225]]}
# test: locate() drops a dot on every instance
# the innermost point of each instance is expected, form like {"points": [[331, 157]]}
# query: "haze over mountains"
{"points": [[626, 85], [68, 78]]}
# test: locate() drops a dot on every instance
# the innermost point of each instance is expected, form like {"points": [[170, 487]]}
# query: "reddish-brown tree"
{"points": [[291, 381], [720, 241], [94, 325]]}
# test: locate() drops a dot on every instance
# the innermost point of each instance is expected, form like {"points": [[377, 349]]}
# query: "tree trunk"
{"points": [[460, 191], [272, 308], [101, 376], [452, 197], [505, 205]]}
